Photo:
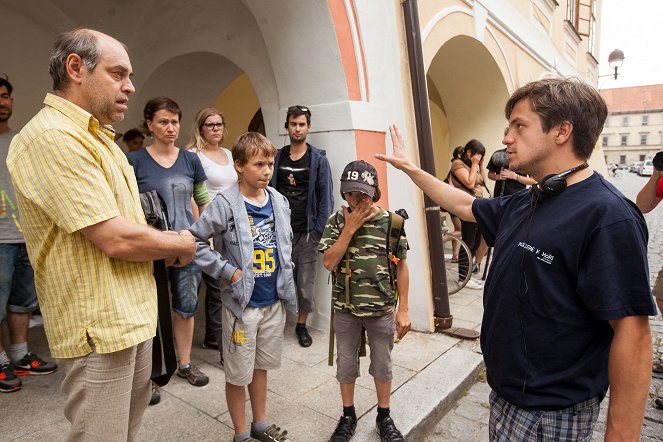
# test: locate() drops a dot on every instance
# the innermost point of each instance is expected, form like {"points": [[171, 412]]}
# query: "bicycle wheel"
{"points": [[455, 281], [618, 175]]}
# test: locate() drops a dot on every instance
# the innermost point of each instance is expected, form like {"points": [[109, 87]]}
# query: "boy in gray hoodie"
{"points": [[249, 224]]}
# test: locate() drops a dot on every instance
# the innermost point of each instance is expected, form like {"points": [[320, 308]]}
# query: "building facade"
{"points": [[634, 128], [345, 59]]}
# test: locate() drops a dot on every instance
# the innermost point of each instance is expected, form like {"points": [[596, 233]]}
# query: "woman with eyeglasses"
{"points": [[176, 175], [207, 133]]}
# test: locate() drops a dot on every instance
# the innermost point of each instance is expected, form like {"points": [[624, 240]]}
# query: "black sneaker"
{"points": [[8, 380], [210, 345], [388, 431], [156, 394], [270, 434], [345, 429], [305, 340], [32, 364], [191, 373]]}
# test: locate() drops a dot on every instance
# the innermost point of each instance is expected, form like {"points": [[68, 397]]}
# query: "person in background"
{"points": [[467, 175], [176, 175], [18, 297], [647, 200], [303, 176], [207, 134], [133, 139]]}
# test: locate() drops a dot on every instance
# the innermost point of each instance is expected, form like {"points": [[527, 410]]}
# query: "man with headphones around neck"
{"points": [[302, 174], [567, 298]]}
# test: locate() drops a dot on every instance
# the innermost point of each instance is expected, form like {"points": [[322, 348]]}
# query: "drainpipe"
{"points": [[442, 313]]}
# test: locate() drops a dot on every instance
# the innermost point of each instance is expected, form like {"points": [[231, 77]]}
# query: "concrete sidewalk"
{"points": [[431, 371]]}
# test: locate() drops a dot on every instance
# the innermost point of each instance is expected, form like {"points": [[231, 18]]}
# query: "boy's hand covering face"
{"points": [[361, 212]]}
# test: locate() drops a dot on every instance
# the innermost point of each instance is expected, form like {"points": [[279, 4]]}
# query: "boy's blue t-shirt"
{"points": [[562, 268], [265, 253], [174, 184]]}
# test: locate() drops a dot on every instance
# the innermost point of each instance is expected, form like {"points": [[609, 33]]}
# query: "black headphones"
{"points": [[296, 110], [554, 184]]}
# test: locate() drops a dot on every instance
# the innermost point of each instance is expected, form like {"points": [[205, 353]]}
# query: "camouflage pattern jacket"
{"points": [[371, 291]]}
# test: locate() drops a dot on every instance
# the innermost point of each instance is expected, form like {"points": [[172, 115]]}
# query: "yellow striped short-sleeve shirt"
{"points": [[68, 174]]}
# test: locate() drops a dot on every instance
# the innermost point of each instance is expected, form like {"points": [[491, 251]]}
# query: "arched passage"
{"points": [[222, 84], [467, 93]]}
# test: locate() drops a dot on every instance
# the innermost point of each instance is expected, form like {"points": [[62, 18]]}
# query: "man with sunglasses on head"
{"points": [[303, 176]]}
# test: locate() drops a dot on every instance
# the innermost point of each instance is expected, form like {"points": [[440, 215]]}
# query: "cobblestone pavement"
{"points": [[467, 420]]}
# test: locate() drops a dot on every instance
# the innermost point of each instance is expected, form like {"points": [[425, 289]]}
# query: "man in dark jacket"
{"points": [[303, 175]]}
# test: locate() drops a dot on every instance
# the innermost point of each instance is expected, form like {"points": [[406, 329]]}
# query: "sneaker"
{"points": [[345, 429], [193, 375], [210, 345], [156, 394], [472, 284], [270, 434], [8, 380], [305, 340], [388, 431], [32, 364], [657, 370]]}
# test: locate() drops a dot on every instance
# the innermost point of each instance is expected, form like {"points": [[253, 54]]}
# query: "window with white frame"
{"points": [[645, 120], [604, 143], [624, 140], [643, 139]]}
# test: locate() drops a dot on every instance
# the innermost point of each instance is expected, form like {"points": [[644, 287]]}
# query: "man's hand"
{"points": [[506, 174], [402, 323], [359, 215], [188, 250], [399, 160]]}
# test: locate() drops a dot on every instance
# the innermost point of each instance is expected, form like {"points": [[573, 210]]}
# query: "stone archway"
{"points": [[467, 93]]}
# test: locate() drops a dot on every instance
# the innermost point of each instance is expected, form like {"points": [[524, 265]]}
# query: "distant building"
{"points": [[634, 128]]}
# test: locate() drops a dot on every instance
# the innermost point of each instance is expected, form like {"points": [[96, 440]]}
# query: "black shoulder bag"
{"points": [[164, 361]]}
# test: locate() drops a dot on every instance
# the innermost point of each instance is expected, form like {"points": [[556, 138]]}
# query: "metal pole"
{"points": [[442, 314]]}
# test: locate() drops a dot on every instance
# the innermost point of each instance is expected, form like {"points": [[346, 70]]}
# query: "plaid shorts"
{"points": [[510, 423]]}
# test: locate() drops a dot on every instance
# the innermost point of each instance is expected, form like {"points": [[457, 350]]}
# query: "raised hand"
{"points": [[399, 159]]}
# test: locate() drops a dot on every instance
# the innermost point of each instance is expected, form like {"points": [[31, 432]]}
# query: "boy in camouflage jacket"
{"points": [[361, 235]]}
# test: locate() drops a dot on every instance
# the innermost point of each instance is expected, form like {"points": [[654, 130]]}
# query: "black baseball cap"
{"points": [[359, 176]]}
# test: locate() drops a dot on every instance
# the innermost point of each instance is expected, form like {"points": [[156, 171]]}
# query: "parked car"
{"points": [[635, 166], [647, 168]]}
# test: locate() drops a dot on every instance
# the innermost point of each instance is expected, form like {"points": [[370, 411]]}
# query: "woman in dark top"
{"points": [[176, 175]]}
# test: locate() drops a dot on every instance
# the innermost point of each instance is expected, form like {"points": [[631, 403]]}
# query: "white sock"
{"points": [[17, 351]]}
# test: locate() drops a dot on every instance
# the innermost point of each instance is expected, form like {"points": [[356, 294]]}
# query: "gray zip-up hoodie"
{"points": [[225, 221]]}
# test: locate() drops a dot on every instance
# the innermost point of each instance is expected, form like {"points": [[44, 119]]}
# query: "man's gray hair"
{"points": [[82, 42]]}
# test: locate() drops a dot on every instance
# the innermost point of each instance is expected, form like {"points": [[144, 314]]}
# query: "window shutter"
{"points": [[584, 17]]}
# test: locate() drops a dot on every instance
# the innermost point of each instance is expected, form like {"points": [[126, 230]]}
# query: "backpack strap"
{"points": [[395, 232]]}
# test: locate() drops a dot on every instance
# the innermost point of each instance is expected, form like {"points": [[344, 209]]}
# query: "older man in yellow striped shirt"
{"points": [[87, 238]]}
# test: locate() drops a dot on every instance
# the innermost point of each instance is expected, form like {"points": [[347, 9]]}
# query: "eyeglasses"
{"points": [[214, 126]]}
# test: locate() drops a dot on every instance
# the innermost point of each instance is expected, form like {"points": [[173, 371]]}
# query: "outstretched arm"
{"points": [[450, 198]]}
